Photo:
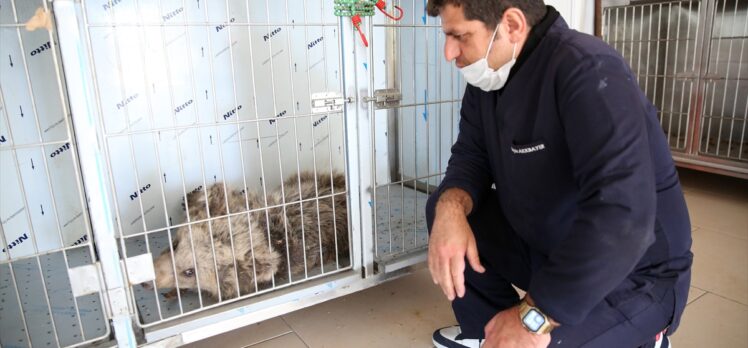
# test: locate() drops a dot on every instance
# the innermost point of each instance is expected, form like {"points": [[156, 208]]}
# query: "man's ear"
{"points": [[514, 24]]}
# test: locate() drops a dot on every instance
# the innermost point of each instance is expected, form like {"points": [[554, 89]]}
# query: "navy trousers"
{"points": [[509, 260]]}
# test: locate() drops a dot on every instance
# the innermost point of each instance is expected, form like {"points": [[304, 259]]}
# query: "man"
{"points": [[560, 183]]}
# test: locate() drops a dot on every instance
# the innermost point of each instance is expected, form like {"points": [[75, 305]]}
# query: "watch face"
{"points": [[533, 320]]}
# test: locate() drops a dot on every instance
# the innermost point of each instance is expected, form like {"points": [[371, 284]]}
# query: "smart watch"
{"points": [[533, 319]]}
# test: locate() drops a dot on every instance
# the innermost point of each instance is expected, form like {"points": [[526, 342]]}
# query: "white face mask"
{"points": [[480, 75]]}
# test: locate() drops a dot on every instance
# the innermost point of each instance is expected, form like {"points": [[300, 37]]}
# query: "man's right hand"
{"points": [[451, 241]]}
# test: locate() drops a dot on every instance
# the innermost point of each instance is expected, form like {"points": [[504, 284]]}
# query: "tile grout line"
{"points": [[727, 298], [697, 297], [715, 294], [269, 339], [698, 288], [302, 341], [700, 228], [283, 318]]}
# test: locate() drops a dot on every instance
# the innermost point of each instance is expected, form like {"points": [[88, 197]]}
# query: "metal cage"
{"points": [[45, 231], [417, 96], [689, 57], [227, 125], [203, 124]]}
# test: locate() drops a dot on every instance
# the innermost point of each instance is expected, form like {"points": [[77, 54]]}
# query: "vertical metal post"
{"points": [[703, 46], [352, 141], [361, 85], [92, 162], [599, 18]]}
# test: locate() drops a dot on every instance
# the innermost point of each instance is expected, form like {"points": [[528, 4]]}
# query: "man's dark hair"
{"points": [[490, 11]]}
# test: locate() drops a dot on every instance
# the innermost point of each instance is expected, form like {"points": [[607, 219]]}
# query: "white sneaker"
{"points": [[451, 337], [661, 341]]}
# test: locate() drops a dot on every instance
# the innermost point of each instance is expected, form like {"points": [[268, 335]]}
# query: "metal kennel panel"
{"points": [[725, 108], [661, 43], [195, 98], [45, 230], [415, 108], [690, 60]]}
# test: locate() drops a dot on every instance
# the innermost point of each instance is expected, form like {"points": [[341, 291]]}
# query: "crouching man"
{"points": [[560, 183]]}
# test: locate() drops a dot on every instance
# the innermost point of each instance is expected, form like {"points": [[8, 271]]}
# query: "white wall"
{"points": [[579, 14]]}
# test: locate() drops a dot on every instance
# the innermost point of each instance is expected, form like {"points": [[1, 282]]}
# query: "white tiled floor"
{"points": [[404, 312]]}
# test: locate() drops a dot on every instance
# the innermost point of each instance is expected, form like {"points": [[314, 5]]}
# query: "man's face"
{"points": [[468, 40]]}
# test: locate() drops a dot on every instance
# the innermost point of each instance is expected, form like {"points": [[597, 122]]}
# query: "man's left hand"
{"points": [[506, 330]]}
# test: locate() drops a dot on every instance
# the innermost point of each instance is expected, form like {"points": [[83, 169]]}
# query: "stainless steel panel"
{"points": [[689, 57]]}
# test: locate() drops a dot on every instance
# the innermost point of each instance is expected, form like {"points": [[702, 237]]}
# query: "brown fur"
{"points": [[216, 270], [325, 217], [255, 259], [198, 210]]}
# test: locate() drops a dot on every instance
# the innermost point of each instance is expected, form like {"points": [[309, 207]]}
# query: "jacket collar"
{"points": [[537, 33]]}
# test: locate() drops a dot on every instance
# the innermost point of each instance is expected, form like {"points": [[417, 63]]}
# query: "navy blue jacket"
{"points": [[583, 174]]}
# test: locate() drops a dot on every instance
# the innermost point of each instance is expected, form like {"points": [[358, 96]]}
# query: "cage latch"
{"points": [[385, 98], [326, 102]]}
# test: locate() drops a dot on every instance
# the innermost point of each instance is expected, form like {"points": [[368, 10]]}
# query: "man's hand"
{"points": [[450, 241], [506, 330]]}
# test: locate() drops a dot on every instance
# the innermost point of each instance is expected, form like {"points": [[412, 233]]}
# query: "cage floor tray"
{"points": [[44, 329], [400, 220]]}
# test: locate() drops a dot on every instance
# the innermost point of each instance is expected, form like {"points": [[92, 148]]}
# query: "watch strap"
{"points": [[524, 309]]}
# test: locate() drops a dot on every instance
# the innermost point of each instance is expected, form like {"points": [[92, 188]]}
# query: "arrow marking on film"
{"points": [[425, 106], [424, 12]]}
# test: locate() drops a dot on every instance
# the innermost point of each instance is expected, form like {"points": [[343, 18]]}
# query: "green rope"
{"points": [[349, 8]]}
